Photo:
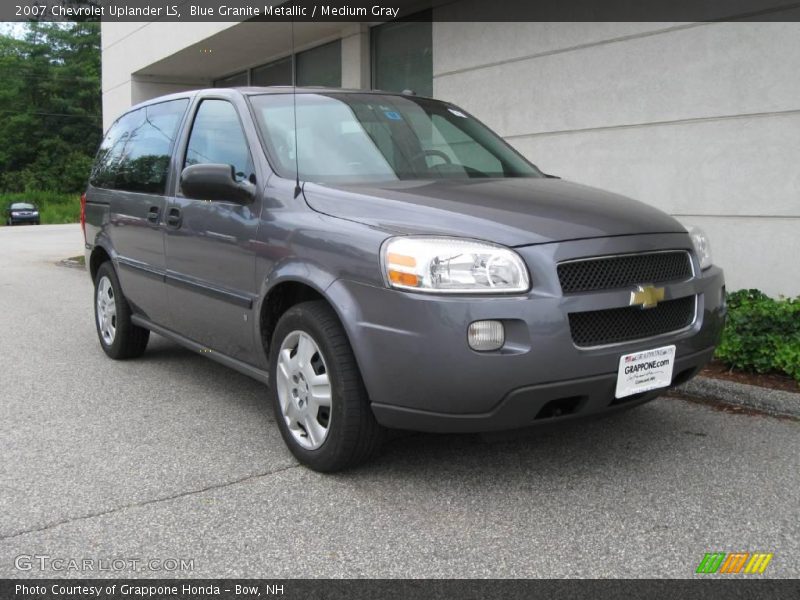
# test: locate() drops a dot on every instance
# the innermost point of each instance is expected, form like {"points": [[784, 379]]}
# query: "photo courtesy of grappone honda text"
{"points": [[386, 261]]}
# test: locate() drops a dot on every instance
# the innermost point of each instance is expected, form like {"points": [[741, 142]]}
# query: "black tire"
{"points": [[129, 340], [353, 435]]}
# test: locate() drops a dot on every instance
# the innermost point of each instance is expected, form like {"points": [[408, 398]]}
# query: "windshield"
{"points": [[371, 137], [22, 206]]}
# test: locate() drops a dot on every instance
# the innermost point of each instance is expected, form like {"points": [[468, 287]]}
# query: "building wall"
{"points": [[701, 120], [130, 47]]}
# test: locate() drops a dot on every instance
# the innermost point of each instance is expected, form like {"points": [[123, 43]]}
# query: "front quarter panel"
{"points": [[295, 243]]}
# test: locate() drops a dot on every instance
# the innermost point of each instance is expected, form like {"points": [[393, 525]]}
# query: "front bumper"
{"points": [[421, 374], [24, 219]]}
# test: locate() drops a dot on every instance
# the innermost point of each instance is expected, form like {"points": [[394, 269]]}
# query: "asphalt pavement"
{"points": [[173, 457]]}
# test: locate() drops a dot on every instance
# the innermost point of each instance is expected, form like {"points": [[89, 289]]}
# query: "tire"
{"points": [[345, 430], [119, 337]]}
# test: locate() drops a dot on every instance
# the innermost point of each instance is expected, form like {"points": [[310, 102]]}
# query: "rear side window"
{"points": [[217, 138], [135, 153]]}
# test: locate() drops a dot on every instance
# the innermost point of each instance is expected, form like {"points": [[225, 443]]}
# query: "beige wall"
{"points": [[146, 60], [131, 47], [701, 120]]}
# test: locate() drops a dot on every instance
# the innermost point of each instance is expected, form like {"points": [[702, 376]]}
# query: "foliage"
{"points": [[50, 107], [762, 334], [53, 207]]}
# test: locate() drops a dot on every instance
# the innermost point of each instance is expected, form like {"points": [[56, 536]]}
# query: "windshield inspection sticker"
{"points": [[394, 116], [457, 113]]}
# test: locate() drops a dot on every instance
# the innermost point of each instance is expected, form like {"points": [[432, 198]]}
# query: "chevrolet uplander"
{"points": [[386, 261]]}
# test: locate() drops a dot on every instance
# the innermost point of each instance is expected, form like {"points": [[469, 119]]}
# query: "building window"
{"points": [[321, 65], [274, 73], [402, 56], [235, 80]]}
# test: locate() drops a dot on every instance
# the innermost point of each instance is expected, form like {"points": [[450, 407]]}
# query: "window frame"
{"points": [[187, 137], [293, 67]]}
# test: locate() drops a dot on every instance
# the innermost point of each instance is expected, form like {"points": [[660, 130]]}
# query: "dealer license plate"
{"points": [[644, 371]]}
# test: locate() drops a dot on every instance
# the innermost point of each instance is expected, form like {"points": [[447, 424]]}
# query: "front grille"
{"points": [[614, 325], [622, 271]]}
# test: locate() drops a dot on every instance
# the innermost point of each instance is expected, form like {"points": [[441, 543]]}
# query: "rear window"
{"points": [[135, 154]]}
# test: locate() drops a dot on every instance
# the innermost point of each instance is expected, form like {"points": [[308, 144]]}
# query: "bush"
{"points": [[54, 207], [762, 334]]}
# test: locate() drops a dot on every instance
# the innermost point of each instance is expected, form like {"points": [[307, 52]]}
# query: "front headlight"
{"points": [[702, 247], [452, 266]]}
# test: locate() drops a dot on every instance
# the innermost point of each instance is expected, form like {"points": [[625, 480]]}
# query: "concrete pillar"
{"points": [[355, 56]]}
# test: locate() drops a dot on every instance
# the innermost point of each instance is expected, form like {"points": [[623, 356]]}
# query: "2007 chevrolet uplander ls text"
{"points": [[386, 261]]}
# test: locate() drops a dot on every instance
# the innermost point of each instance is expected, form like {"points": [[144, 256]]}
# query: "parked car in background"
{"points": [[22, 212], [386, 261]]}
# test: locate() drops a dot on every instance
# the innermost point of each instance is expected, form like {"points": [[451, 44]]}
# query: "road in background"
{"points": [[174, 456]]}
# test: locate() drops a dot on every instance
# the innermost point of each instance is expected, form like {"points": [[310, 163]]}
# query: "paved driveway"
{"points": [[175, 457]]}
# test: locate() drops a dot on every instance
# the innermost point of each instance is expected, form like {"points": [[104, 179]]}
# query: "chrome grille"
{"points": [[625, 270]]}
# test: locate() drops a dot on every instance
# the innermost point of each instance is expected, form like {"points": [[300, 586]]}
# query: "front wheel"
{"points": [[119, 337], [319, 398]]}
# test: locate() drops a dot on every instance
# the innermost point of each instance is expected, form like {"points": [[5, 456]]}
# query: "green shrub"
{"points": [[54, 207], [762, 334]]}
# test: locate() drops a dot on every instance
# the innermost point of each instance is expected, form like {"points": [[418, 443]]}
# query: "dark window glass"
{"points": [[217, 138], [402, 57], [321, 66], [275, 73], [235, 80], [135, 153], [106, 163]]}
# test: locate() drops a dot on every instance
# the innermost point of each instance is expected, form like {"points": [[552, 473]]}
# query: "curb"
{"points": [[774, 402]]}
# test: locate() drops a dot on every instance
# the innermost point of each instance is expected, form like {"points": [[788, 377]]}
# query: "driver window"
{"points": [[217, 138]]}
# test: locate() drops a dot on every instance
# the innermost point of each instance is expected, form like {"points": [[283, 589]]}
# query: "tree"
{"points": [[50, 106]]}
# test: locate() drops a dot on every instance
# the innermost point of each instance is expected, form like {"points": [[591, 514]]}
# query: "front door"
{"points": [[210, 261]]}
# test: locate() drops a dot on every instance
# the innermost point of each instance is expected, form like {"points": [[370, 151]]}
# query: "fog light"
{"points": [[486, 335]]}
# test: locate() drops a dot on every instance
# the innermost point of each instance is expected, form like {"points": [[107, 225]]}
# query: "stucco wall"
{"points": [[130, 47], [701, 120]]}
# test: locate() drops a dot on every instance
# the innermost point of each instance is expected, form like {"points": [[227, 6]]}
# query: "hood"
{"points": [[513, 211]]}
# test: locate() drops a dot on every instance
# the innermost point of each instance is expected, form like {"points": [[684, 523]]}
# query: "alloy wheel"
{"points": [[106, 310], [304, 390]]}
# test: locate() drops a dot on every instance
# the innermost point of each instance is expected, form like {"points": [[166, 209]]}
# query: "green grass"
{"points": [[54, 208]]}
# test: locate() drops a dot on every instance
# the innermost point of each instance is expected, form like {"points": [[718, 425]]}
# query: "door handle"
{"points": [[152, 214], [174, 217]]}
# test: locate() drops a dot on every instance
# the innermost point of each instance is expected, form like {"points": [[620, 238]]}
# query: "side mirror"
{"points": [[215, 182]]}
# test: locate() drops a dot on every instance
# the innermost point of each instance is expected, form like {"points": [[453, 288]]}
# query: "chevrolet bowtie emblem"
{"points": [[647, 296]]}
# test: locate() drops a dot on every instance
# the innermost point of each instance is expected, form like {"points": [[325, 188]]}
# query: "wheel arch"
{"points": [[302, 285], [97, 257], [279, 298]]}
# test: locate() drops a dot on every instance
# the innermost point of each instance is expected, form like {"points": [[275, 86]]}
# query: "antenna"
{"points": [[297, 189]]}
